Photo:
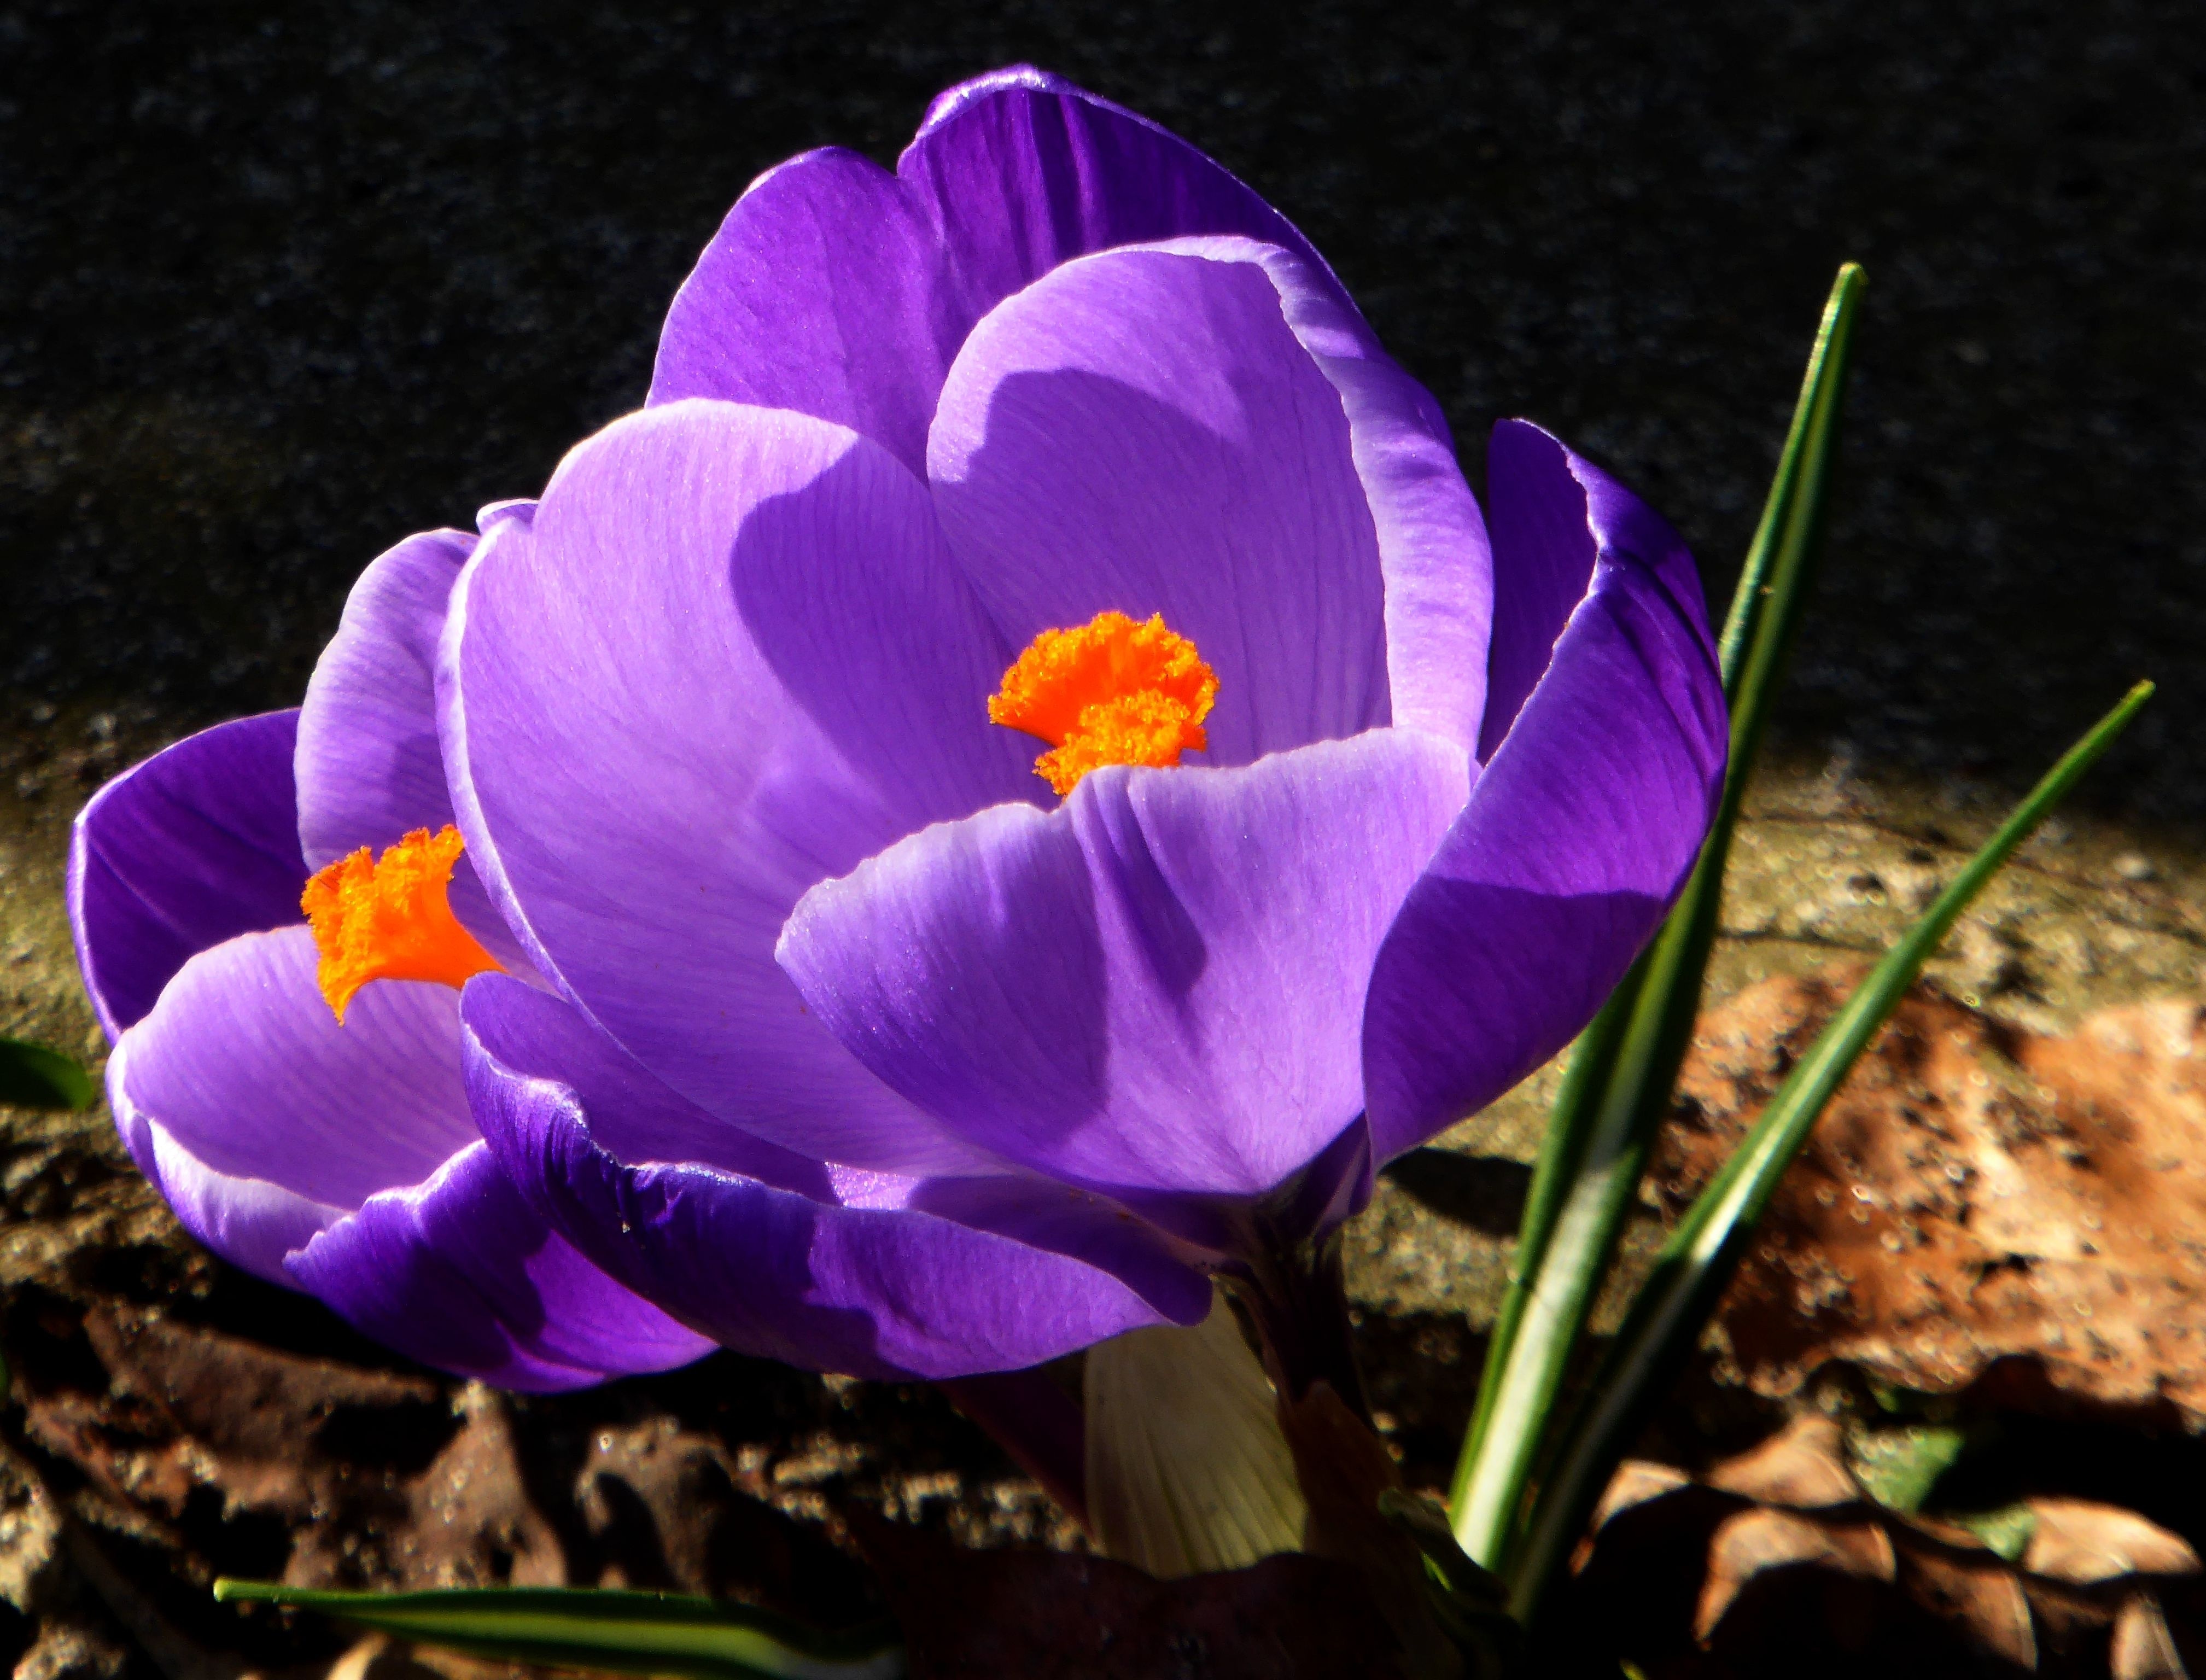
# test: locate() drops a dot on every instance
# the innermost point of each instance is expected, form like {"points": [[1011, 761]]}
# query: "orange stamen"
{"points": [[391, 919], [1113, 691]]}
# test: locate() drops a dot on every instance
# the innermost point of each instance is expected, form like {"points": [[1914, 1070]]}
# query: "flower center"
{"points": [[391, 919], [1113, 691]]}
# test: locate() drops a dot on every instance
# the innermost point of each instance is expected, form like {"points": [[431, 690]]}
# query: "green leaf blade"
{"points": [[1618, 1082], [621, 1631], [32, 1077], [1695, 1264]]}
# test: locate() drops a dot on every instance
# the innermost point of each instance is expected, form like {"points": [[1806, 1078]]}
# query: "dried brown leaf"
{"points": [[2142, 1648], [1764, 1578], [1978, 1204], [1764, 1538], [2082, 1543], [1976, 1593], [1803, 1466], [1637, 1481]]}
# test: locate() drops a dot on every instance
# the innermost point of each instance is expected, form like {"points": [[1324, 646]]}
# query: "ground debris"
{"points": [[1981, 1208], [1778, 1560], [1059, 1616], [150, 1447]]}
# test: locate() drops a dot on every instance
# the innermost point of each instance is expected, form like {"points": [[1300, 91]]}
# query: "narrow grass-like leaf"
{"points": [[32, 1077], [624, 1632], [1696, 1262], [1619, 1083]]}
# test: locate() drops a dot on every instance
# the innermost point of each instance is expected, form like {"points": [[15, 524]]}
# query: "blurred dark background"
{"points": [[283, 281]]}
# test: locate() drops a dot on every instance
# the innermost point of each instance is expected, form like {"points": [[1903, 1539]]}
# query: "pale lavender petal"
{"points": [[246, 1220], [790, 1274], [1584, 824], [1141, 431], [198, 843], [460, 1273], [242, 1063], [368, 765], [730, 658], [523, 507], [839, 290], [1155, 991], [1432, 540]]}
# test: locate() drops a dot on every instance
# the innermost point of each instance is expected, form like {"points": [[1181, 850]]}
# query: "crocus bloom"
{"points": [[1055, 444], [339, 1159], [296, 1091]]}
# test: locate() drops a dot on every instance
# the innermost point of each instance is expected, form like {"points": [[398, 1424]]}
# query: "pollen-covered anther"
{"points": [[1115, 690], [391, 918]]}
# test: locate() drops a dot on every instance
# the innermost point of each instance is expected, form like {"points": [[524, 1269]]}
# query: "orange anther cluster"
{"points": [[391, 919], [1114, 691]]}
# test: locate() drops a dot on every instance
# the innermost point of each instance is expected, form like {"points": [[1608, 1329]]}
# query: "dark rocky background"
{"points": [[282, 282]]}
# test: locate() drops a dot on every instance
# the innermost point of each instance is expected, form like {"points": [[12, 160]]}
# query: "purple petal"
{"points": [[241, 1063], [1142, 431], [1025, 171], [1155, 991], [1585, 823], [730, 658], [459, 1273], [368, 765], [839, 290], [196, 844], [248, 1221], [819, 294], [1537, 512], [1432, 540], [788, 1273]]}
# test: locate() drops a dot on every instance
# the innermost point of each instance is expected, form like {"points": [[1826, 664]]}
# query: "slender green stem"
{"points": [[1618, 1082], [598, 1628], [1695, 1264]]}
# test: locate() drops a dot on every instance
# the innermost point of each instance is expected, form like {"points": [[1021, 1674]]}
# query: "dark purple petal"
{"points": [[196, 844], [837, 1272], [730, 658], [459, 1273], [819, 294], [242, 1063], [839, 290], [1155, 991], [1142, 432], [368, 765], [1536, 511], [1585, 823], [1024, 172]]}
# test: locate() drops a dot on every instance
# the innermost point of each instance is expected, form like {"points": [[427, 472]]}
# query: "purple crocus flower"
{"points": [[1372, 799], [313, 1128], [339, 1159]]}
